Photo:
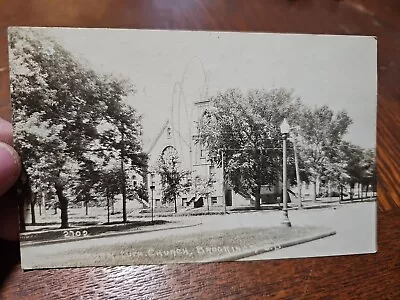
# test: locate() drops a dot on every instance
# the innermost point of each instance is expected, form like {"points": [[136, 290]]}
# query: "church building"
{"points": [[179, 142]]}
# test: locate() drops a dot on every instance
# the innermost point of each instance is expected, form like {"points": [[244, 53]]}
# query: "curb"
{"points": [[91, 237], [323, 206], [199, 214], [347, 201], [270, 248], [320, 206]]}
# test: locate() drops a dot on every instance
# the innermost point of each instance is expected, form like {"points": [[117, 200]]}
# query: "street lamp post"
{"points": [[285, 128], [152, 187]]}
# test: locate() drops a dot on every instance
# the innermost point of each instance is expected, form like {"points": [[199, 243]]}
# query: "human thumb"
{"points": [[10, 167]]}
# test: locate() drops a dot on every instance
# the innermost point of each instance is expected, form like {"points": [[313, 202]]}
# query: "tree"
{"points": [[59, 105], [85, 188], [245, 127], [202, 187], [123, 136], [321, 135], [110, 184], [28, 89], [48, 90], [141, 192], [369, 174], [353, 156], [173, 180], [336, 171], [22, 191]]}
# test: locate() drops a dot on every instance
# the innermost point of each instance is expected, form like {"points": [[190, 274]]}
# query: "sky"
{"points": [[340, 71]]}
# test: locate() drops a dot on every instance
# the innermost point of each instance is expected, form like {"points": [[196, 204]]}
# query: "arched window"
{"points": [[169, 156]]}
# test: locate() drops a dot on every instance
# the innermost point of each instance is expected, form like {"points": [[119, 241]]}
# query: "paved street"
{"points": [[355, 233], [354, 224]]}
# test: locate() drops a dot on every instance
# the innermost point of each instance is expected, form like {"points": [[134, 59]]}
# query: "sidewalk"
{"points": [[291, 206], [270, 248], [62, 239], [326, 202]]}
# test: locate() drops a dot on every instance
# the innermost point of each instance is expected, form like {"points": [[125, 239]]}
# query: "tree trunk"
{"points": [[124, 218], [341, 193], [175, 207], [43, 203], [352, 185], [358, 190], [317, 186], [86, 208], [123, 183], [108, 209], [257, 203], [329, 190], [314, 189], [33, 217], [21, 213], [63, 205]]}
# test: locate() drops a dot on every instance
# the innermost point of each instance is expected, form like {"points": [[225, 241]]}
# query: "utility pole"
{"points": [[296, 163], [152, 187]]}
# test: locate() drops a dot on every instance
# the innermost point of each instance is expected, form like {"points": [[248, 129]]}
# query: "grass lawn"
{"points": [[180, 248], [59, 234]]}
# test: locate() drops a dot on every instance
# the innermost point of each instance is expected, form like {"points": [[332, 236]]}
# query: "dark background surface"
{"points": [[372, 276]]}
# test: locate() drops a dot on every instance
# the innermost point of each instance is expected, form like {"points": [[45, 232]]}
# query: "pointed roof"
{"points": [[158, 137], [152, 145]]}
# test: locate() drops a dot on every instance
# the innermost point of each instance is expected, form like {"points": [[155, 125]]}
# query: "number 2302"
{"points": [[77, 233]]}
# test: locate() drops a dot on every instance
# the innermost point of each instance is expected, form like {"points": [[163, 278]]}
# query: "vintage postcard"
{"points": [[157, 147]]}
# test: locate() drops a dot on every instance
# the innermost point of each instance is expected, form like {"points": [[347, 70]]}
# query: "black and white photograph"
{"points": [[158, 147]]}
